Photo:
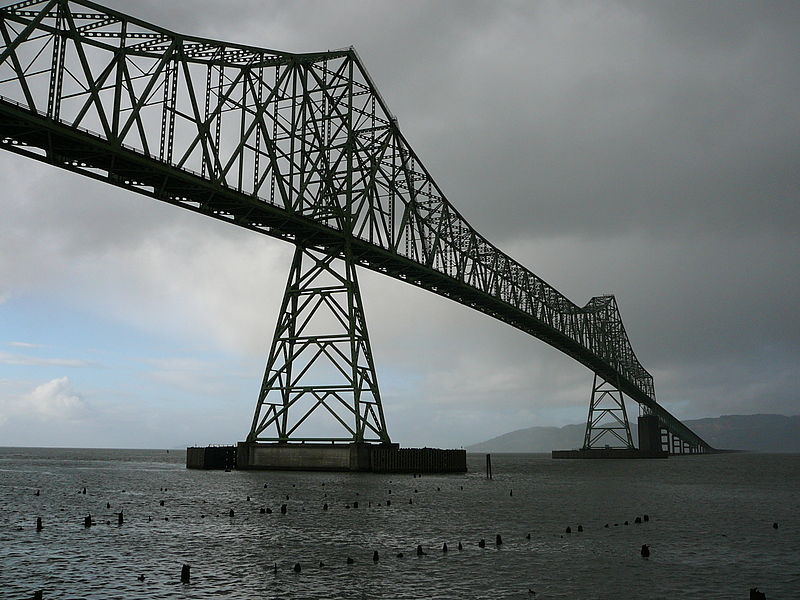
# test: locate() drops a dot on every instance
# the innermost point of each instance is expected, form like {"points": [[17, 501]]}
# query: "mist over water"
{"points": [[710, 530]]}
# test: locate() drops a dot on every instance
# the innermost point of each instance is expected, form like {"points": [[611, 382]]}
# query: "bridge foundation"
{"points": [[303, 457], [353, 457]]}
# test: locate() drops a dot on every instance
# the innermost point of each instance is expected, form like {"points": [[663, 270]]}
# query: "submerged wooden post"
{"points": [[489, 466]]}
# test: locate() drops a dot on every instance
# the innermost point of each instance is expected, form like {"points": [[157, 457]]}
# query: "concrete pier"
{"points": [[303, 457], [649, 433], [375, 458], [358, 457]]}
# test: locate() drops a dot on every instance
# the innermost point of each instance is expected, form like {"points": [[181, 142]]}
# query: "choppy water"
{"points": [[710, 529]]}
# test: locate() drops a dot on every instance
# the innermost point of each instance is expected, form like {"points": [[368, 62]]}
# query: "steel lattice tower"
{"points": [[320, 369], [607, 424]]}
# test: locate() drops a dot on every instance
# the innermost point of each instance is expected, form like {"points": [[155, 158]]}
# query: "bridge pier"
{"points": [[349, 457], [354, 457], [649, 434], [320, 378], [608, 424]]}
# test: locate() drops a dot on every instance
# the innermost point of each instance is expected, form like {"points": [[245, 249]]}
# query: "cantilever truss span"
{"points": [[296, 146]]}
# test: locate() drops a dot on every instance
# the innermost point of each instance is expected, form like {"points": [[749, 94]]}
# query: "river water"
{"points": [[710, 529]]}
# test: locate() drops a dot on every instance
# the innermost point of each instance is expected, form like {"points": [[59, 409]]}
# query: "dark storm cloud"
{"points": [[602, 123], [570, 117]]}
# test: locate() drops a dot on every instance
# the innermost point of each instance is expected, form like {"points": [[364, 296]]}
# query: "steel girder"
{"points": [[297, 146]]}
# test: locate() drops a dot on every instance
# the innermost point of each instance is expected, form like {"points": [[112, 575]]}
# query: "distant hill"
{"points": [[534, 439], [760, 433], [757, 433]]}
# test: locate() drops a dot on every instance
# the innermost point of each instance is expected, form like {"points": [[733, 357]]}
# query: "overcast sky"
{"points": [[650, 150]]}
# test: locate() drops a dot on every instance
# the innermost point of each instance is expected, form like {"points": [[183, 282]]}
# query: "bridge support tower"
{"points": [[608, 431], [320, 374], [320, 377], [607, 425]]}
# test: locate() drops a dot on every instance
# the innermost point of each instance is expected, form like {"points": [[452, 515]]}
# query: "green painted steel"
{"points": [[320, 369], [607, 425]]}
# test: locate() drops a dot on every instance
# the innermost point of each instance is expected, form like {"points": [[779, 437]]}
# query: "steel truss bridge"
{"points": [[300, 147]]}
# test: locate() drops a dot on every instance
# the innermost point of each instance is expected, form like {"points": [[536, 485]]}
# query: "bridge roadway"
{"points": [[371, 199]]}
